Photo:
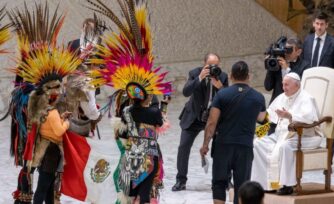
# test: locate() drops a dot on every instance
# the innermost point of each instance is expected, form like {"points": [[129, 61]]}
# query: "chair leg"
{"points": [[299, 170], [328, 172], [299, 161]]}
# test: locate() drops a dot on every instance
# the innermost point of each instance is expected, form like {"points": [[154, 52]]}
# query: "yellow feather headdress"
{"points": [[127, 55], [35, 28], [4, 30], [40, 59], [44, 64]]}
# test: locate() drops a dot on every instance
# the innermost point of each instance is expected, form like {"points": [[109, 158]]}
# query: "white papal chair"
{"points": [[319, 82]]}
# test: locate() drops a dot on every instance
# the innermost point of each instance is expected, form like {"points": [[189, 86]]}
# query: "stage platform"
{"points": [[324, 198]]}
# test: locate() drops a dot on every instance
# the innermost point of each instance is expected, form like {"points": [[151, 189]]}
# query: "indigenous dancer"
{"points": [[85, 114], [36, 31], [44, 151], [79, 98], [121, 137], [128, 59]]}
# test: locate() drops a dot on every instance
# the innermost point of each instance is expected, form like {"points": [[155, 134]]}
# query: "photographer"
{"points": [[202, 84], [291, 62]]}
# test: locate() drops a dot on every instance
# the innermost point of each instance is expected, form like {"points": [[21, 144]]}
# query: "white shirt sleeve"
{"points": [[285, 72], [89, 107]]}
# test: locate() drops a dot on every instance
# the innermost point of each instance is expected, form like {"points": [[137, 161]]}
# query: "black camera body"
{"points": [[215, 71], [275, 50]]}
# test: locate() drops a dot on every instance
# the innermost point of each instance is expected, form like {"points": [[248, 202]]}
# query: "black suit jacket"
{"points": [[327, 53], [273, 80], [197, 91]]}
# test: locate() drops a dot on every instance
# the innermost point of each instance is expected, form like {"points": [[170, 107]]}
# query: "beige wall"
{"points": [[184, 30]]}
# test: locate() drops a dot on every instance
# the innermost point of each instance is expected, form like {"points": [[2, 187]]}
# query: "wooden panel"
{"points": [[279, 9]]}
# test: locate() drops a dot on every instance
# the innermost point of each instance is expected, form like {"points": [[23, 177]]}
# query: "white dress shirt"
{"points": [[89, 107], [322, 42]]}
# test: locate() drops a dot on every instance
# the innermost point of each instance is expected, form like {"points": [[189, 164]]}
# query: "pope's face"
{"points": [[290, 86]]}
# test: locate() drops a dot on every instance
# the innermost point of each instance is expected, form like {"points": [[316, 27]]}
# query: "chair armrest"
{"points": [[295, 125]]}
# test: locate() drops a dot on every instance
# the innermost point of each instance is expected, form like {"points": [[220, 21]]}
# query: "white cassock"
{"points": [[274, 155]]}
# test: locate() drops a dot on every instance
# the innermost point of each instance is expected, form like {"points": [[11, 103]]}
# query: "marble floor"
{"points": [[198, 186]]}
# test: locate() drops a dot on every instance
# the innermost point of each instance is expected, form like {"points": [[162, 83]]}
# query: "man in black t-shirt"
{"points": [[237, 108]]}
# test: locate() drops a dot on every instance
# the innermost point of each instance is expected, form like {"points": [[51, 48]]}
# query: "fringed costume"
{"points": [[39, 127], [80, 95], [128, 60], [44, 150]]}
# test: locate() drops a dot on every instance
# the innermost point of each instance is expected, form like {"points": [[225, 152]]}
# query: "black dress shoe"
{"points": [[270, 191], [286, 190], [179, 186]]}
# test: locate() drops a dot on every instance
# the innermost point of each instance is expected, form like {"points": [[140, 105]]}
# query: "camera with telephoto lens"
{"points": [[215, 71], [276, 50]]}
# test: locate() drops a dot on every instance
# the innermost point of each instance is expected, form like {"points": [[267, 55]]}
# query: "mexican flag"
{"points": [[88, 170]]}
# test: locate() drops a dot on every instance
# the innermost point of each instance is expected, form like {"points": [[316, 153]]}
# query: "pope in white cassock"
{"points": [[274, 155]]}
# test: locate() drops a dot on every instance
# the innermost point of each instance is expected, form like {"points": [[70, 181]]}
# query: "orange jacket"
{"points": [[54, 127]]}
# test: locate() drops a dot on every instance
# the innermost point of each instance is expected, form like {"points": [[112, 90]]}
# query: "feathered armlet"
{"points": [[165, 126]]}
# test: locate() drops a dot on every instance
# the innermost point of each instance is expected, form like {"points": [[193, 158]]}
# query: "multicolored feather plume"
{"points": [[4, 30], [43, 62], [37, 25], [127, 55]]}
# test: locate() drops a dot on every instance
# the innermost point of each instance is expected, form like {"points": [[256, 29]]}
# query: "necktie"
{"points": [[316, 53]]}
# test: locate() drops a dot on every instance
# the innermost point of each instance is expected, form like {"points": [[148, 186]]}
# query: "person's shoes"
{"points": [[285, 190], [179, 186], [270, 191]]}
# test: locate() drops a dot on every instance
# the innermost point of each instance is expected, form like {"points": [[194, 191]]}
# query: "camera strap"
{"points": [[210, 93], [233, 105]]}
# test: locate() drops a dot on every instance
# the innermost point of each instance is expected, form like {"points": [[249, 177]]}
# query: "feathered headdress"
{"points": [[36, 26], [43, 65], [39, 61], [4, 30], [127, 55]]}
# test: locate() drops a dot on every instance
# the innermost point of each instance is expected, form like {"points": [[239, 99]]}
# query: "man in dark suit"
{"points": [[291, 63], [318, 47], [201, 87]]}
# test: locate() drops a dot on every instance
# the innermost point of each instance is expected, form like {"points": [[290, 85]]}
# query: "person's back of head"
{"points": [[240, 71], [251, 192]]}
